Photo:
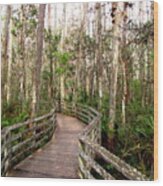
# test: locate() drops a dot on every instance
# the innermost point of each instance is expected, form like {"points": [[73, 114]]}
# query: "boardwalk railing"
{"points": [[90, 148], [20, 140]]}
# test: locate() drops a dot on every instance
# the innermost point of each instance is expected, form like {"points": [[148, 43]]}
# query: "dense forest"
{"points": [[97, 54]]}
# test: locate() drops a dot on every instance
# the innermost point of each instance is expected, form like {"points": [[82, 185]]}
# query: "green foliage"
{"points": [[60, 70], [33, 11], [139, 128], [70, 83], [46, 74], [152, 56], [52, 41], [13, 115], [33, 23], [62, 58]]}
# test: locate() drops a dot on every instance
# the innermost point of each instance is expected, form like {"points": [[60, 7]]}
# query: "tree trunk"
{"points": [[37, 69], [64, 32], [115, 64], [98, 56], [9, 70], [124, 64], [22, 57], [5, 59], [7, 23], [83, 60], [51, 60]]}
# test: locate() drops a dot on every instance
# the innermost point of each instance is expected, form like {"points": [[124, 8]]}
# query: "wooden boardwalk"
{"points": [[58, 158], [68, 154]]}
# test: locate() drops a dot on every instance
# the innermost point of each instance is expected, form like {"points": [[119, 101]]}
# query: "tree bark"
{"points": [[7, 23], [37, 69], [5, 56], [64, 32], [22, 57], [98, 56], [9, 66], [50, 60], [114, 65], [124, 64]]}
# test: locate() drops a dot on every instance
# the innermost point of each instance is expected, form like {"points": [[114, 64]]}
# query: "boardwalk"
{"points": [[58, 158], [71, 152]]}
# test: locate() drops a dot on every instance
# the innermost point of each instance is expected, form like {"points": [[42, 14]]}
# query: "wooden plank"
{"points": [[19, 135], [93, 124], [20, 145], [80, 117], [90, 162], [128, 171], [50, 159], [96, 113], [8, 139], [86, 173], [17, 157], [86, 116], [18, 125]]}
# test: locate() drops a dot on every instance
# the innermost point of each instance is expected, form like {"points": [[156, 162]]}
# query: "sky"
{"points": [[139, 13]]}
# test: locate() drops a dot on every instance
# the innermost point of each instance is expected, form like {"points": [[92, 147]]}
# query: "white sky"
{"points": [[139, 13]]}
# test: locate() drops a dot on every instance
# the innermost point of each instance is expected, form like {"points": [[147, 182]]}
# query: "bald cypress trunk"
{"points": [[50, 60], [9, 58], [98, 51], [124, 66], [115, 64], [64, 32], [37, 69], [5, 55], [22, 57]]}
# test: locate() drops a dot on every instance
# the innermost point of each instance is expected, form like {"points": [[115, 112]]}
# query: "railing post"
{"points": [[10, 148], [59, 105], [7, 153], [99, 130], [80, 161], [54, 119]]}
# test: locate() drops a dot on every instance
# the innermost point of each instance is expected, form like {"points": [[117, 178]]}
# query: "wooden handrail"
{"points": [[90, 146], [128, 171], [22, 139]]}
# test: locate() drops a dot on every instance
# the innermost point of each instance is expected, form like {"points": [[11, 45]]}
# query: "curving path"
{"points": [[58, 158]]}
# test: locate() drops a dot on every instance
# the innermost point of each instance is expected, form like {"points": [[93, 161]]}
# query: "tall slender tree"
{"points": [[5, 51], [51, 59], [64, 32], [116, 14], [37, 69], [9, 57], [98, 52], [22, 55]]}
